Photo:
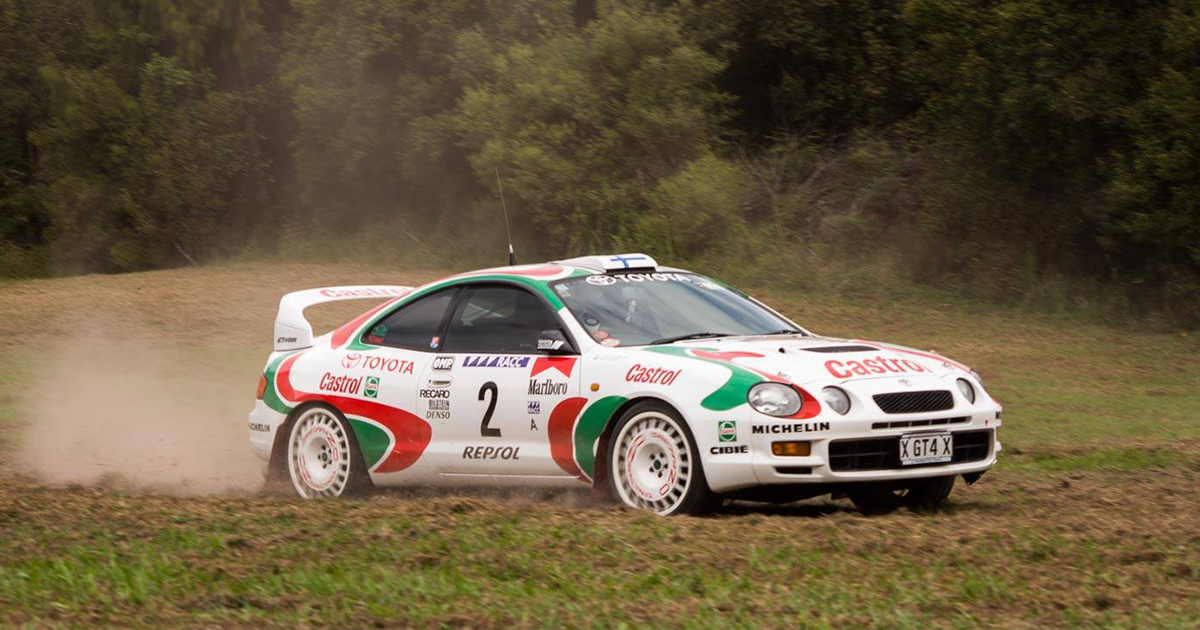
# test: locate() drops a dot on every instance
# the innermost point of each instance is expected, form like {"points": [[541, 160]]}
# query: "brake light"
{"points": [[262, 387]]}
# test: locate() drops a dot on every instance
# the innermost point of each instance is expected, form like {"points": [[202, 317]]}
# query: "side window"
{"points": [[413, 326], [498, 319]]}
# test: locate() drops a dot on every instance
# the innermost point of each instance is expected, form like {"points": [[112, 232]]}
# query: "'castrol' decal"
{"points": [[410, 434], [651, 375], [877, 365]]}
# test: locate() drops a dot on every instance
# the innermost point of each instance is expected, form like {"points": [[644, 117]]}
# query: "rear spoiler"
{"points": [[293, 332]]}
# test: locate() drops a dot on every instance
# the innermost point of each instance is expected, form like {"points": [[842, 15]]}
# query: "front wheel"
{"points": [[654, 463], [322, 455], [922, 494]]}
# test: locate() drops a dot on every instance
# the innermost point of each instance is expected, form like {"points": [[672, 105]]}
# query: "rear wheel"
{"points": [[922, 494], [323, 459], [654, 463]]}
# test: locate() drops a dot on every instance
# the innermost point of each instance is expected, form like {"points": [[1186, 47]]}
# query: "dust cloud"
{"points": [[121, 405]]}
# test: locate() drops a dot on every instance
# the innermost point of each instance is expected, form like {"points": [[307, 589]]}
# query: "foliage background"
{"points": [[1032, 152]]}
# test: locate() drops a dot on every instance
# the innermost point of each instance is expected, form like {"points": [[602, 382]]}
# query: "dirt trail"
{"points": [[132, 414], [144, 381]]}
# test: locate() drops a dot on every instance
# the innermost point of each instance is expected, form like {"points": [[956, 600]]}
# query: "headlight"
{"points": [[836, 399], [774, 399], [968, 392]]}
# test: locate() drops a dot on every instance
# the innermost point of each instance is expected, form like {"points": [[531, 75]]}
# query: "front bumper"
{"points": [[847, 451]]}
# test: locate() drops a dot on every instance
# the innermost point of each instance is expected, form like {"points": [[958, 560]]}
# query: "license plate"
{"points": [[926, 448]]}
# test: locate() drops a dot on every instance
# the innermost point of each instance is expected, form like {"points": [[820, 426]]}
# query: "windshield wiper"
{"points": [[699, 335], [785, 331]]}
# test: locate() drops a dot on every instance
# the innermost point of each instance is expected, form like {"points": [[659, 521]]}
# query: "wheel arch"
{"points": [[277, 461]]}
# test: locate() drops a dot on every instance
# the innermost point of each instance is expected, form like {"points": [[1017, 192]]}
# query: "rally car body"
{"points": [[449, 399]]}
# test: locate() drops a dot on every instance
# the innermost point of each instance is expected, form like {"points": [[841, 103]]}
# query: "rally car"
{"points": [[665, 388]]}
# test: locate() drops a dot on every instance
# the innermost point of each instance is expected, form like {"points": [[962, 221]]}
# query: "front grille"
{"points": [[905, 424], [884, 453], [843, 349], [915, 402]]}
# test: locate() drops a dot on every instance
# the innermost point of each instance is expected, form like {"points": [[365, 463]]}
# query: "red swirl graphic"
{"points": [[561, 431], [411, 433]]}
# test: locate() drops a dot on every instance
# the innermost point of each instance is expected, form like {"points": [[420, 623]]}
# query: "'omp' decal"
{"points": [[410, 435]]}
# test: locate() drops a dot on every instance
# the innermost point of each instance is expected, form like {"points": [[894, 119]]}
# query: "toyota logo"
{"points": [[601, 281], [351, 359]]}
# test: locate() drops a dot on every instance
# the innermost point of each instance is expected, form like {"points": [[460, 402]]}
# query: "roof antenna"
{"points": [[512, 258]]}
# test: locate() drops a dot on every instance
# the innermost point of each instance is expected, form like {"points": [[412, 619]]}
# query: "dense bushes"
{"points": [[994, 146]]}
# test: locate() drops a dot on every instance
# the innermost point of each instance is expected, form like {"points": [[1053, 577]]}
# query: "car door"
{"points": [[402, 349], [503, 388]]}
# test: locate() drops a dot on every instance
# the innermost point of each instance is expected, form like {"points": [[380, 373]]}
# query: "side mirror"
{"points": [[553, 342]]}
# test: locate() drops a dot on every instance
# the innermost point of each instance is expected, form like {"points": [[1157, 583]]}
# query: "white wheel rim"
{"points": [[652, 463], [319, 455]]}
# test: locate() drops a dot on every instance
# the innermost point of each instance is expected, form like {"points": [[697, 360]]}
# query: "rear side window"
{"points": [[500, 320], [413, 326]]}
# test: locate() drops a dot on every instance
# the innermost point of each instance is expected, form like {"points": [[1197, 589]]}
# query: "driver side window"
{"points": [[498, 319]]}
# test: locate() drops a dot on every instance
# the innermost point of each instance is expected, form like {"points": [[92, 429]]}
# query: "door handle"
{"points": [[439, 381]]}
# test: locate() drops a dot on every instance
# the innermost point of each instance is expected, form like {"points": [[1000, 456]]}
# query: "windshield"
{"points": [[644, 308]]}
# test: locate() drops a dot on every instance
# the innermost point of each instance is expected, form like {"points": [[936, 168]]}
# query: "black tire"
{"points": [[652, 442], [321, 457], [919, 495]]}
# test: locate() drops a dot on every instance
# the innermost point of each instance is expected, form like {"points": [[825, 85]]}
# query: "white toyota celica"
{"points": [[666, 388]]}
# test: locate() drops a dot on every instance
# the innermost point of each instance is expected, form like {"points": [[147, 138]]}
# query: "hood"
{"points": [[804, 359]]}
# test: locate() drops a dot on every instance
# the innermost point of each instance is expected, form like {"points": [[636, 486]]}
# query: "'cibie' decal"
{"points": [[878, 365], [496, 362], [410, 434]]}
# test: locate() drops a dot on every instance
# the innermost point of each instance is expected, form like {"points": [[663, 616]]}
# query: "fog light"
{"points": [[791, 449], [262, 386]]}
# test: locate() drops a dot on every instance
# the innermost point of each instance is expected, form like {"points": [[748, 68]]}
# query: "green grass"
{"points": [[489, 563]]}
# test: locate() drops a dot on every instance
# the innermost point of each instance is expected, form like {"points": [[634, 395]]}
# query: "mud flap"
{"points": [[971, 478], [601, 495]]}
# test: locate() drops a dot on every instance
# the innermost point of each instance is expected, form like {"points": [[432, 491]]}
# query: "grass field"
{"points": [[132, 492]]}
